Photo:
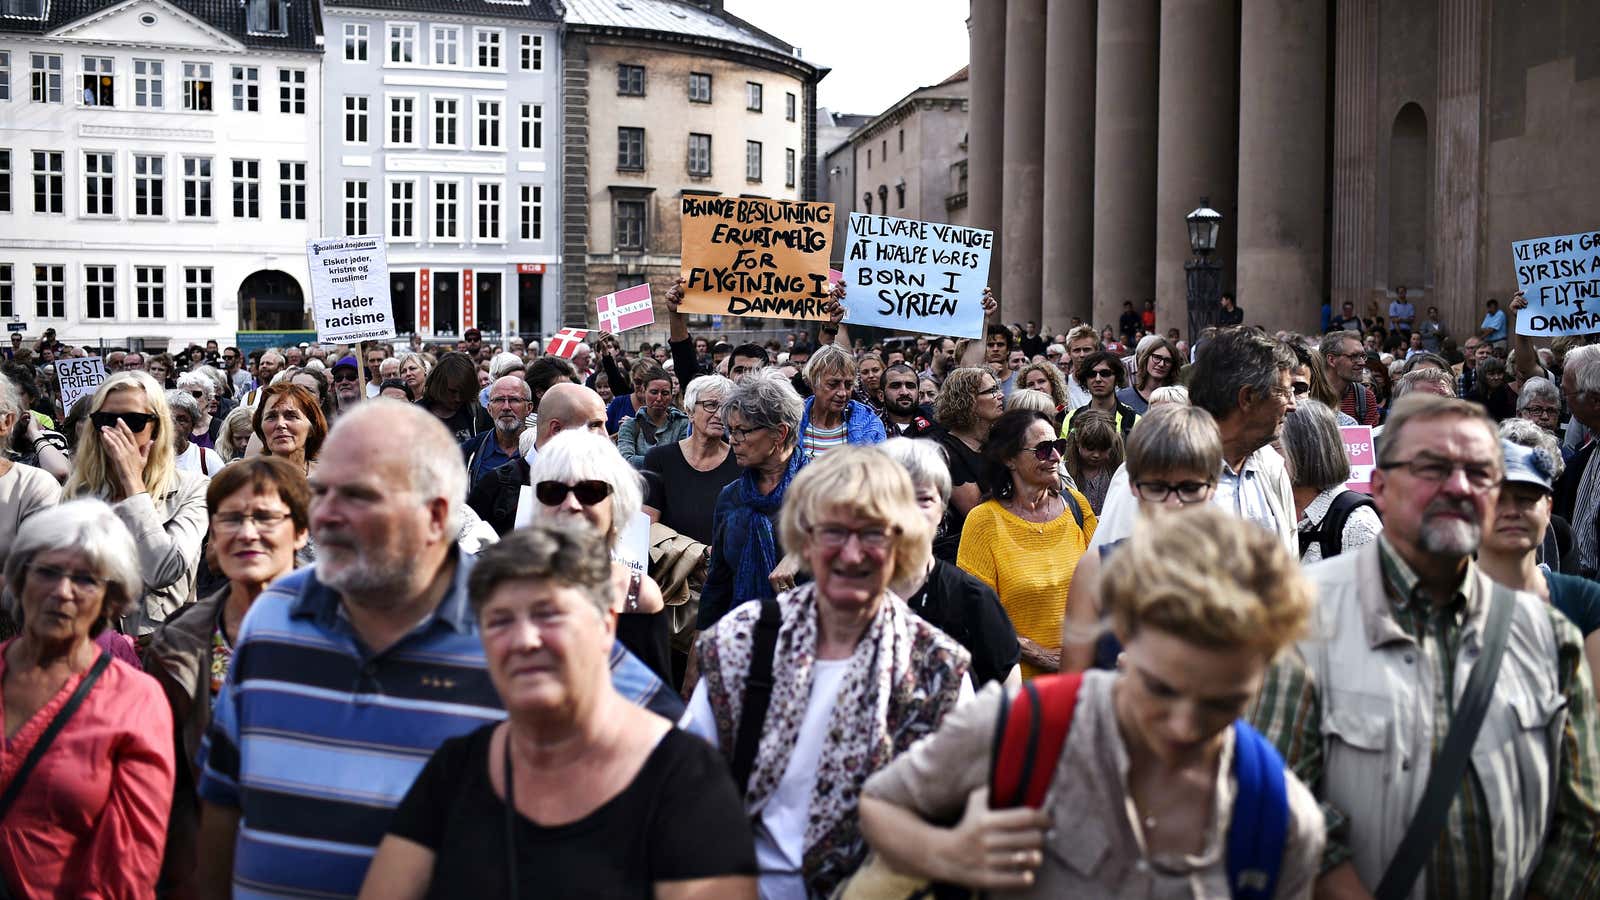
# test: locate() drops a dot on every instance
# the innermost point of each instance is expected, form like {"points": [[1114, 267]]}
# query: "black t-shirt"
{"points": [[468, 420], [681, 818], [968, 610], [686, 497], [966, 467]]}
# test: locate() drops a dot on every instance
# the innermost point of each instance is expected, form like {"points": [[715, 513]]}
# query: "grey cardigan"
{"points": [[168, 532]]}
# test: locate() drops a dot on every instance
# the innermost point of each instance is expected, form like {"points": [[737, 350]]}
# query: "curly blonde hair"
{"points": [[1052, 374], [956, 405]]}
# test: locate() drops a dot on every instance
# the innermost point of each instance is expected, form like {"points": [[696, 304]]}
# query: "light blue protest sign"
{"points": [[915, 276], [1560, 277]]}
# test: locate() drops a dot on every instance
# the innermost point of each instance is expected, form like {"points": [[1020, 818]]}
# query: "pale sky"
{"points": [[879, 50]]}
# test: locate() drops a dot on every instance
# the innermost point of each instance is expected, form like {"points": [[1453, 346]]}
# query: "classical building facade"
{"points": [[444, 135], [1353, 146], [158, 166], [664, 98]]}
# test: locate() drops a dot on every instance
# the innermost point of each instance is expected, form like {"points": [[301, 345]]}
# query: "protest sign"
{"points": [[750, 257], [350, 289], [633, 545], [626, 309], [79, 375], [916, 276], [1560, 277], [1363, 458]]}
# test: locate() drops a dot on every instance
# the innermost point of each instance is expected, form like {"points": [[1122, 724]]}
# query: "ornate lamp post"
{"points": [[1204, 273]]}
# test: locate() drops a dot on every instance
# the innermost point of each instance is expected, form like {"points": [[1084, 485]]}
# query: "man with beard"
{"points": [[1363, 712], [510, 401], [903, 416], [347, 390]]}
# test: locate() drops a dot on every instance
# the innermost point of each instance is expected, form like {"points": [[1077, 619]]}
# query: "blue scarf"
{"points": [[754, 516]]}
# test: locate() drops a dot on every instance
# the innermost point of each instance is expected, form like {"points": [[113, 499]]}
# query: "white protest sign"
{"points": [[79, 376], [633, 545], [1559, 276], [350, 289], [915, 276]]}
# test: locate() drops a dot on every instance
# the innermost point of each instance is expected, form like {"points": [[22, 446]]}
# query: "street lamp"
{"points": [[1204, 273]]}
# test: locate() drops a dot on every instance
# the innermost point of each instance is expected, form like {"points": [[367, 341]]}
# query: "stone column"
{"points": [[1069, 109], [1355, 154], [1197, 148], [1458, 167], [1282, 111], [1022, 171], [1127, 33], [986, 30]]}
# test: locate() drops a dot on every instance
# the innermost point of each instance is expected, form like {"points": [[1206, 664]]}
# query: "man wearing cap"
{"points": [[346, 384]]}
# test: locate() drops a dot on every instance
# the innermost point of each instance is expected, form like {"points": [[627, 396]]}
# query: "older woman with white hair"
{"points": [[1333, 518], [189, 456], [689, 474], [24, 490], [1539, 402], [831, 418], [203, 390], [125, 457], [85, 812]]}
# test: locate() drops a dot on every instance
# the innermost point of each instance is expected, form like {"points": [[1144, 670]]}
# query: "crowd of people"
{"points": [[1089, 613]]}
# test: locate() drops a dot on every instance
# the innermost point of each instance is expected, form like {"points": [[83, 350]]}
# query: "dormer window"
{"points": [[267, 16], [22, 9]]}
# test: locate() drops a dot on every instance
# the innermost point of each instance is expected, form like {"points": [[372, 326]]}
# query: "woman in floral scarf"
{"points": [[855, 677]]}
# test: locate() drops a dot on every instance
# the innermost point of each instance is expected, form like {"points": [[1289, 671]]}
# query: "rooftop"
{"points": [[304, 21], [534, 10], [673, 17]]}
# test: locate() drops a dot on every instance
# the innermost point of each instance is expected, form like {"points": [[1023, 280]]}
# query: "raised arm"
{"points": [[1527, 354]]}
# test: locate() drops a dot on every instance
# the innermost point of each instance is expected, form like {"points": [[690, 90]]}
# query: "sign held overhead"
{"points": [[916, 276], [350, 289], [748, 257], [1560, 278]]}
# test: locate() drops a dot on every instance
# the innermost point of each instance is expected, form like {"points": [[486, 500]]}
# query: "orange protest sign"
{"points": [[749, 257]]}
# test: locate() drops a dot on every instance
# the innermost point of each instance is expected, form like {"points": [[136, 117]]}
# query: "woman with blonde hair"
{"points": [[1046, 378], [234, 436], [126, 457]]}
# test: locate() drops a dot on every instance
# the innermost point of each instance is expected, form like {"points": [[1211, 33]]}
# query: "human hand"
{"points": [[674, 295], [782, 577], [990, 304], [1518, 301], [126, 457], [993, 849], [835, 310]]}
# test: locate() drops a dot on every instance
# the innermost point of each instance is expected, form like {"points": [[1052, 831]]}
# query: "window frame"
{"points": [[498, 45], [5, 76], [54, 276], [497, 120], [407, 38], [619, 245], [754, 96], [791, 106], [433, 122], [108, 181], [625, 85], [38, 85], [759, 159], [709, 95], [361, 118], [157, 199], [357, 42], [291, 91], [8, 159], [530, 52], [199, 294], [790, 167], [437, 30], [85, 73], [530, 212], [56, 177], [204, 194], [102, 285], [149, 294], [498, 204], [689, 155], [8, 290], [410, 205], [245, 189], [390, 116], [625, 134], [435, 220], [149, 86], [530, 127], [357, 209], [192, 95], [244, 87], [286, 186]]}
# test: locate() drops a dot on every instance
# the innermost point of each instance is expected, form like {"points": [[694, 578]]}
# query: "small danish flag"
{"points": [[566, 341], [626, 309]]}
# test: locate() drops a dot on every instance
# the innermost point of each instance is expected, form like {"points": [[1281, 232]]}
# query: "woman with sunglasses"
{"points": [[1156, 365], [125, 457], [1025, 541], [1101, 374]]}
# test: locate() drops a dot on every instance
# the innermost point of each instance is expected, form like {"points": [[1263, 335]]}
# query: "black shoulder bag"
{"points": [[757, 694]]}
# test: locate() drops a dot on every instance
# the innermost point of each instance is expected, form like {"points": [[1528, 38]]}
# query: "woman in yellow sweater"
{"points": [[1025, 541]]}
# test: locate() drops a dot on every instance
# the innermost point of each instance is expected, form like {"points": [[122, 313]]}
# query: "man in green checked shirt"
{"points": [[1362, 711]]}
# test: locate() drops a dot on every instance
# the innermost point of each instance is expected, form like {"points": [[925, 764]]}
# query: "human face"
{"points": [[414, 374], [707, 414], [700, 346], [740, 366], [931, 505], [991, 401], [658, 396], [1483, 351], [1102, 379], [544, 642], [927, 391], [346, 385], [1173, 488], [851, 558], [1348, 362], [63, 596], [1542, 413], [1177, 698], [1036, 380], [132, 400], [1585, 406], [1492, 380], [254, 536], [133, 362], [285, 427], [267, 367], [1522, 514], [900, 392], [995, 348], [1016, 360], [832, 390], [509, 404], [309, 382], [1080, 348], [1027, 469], [1300, 380], [1445, 518], [1094, 459], [571, 508], [869, 374], [182, 427], [751, 447], [293, 356], [581, 360], [1266, 413], [374, 360], [948, 348], [1160, 365], [158, 371]]}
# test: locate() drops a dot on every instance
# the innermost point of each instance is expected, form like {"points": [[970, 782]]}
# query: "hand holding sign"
{"points": [[1560, 278]]}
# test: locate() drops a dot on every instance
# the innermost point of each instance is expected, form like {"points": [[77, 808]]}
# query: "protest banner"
{"points": [[350, 289], [79, 375], [566, 341], [750, 257], [1560, 277], [627, 309], [916, 276], [1363, 457]]}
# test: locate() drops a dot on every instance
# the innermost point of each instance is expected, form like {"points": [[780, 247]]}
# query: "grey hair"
{"points": [[196, 379], [1312, 446], [924, 461], [1528, 434], [1172, 393], [1233, 359], [10, 399], [1584, 364], [90, 527], [1538, 388], [577, 455], [282, 360], [571, 557], [829, 358], [766, 399], [1333, 342], [1427, 358], [182, 400], [1428, 407], [716, 384], [505, 363], [1028, 398], [1409, 382], [431, 455]]}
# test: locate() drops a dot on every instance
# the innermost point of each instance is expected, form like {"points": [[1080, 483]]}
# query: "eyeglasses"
{"points": [[1044, 451], [136, 421], [1300, 388], [710, 406], [1541, 410], [1354, 356], [1102, 373], [1162, 359], [82, 582], [1285, 394], [873, 537], [1187, 491], [507, 401], [989, 391], [232, 522], [1437, 469], [740, 435], [554, 493], [343, 375]]}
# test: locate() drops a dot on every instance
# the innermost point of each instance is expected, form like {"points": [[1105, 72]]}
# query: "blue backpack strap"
{"points": [[1260, 829]]}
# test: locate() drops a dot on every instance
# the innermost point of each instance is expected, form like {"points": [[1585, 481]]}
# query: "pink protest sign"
{"points": [[1363, 456], [626, 309]]}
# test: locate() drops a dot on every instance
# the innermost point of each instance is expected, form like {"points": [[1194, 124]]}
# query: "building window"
{"points": [[246, 89], [630, 225], [402, 122], [752, 160], [530, 213], [46, 77], [197, 187], [49, 181], [5, 180], [533, 53], [446, 210], [197, 86], [699, 87], [5, 74], [446, 122], [866, 202], [266, 17], [402, 43], [630, 149], [355, 207], [902, 140], [7, 299], [699, 154], [99, 184], [355, 120], [630, 80], [247, 189], [149, 292], [147, 82], [789, 106], [292, 190], [197, 292], [788, 167], [447, 45], [900, 196], [752, 96], [487, 210], [149, 188], [99, 292], [50, 292], [355, 42], [99, 81], [869, 157], [487, 42], [292, 91], [530, 121], [403, 210], [487, 118]]}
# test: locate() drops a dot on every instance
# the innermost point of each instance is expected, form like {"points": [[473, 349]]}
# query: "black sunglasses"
{"points": [[136, 421], [1042, 451], [553, 493]]}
